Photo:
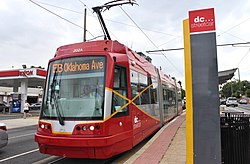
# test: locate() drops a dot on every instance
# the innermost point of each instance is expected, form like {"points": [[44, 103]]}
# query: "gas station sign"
{"points": [[27, 72]]}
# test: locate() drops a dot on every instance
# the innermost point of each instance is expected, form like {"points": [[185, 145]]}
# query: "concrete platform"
{"points": [[168, 146]]}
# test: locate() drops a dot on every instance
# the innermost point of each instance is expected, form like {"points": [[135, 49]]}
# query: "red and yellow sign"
{"points": [[201, 20], [26, 73]]}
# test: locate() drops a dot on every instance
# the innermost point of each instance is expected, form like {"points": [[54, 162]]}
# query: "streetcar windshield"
{"points": [[75, 89]]}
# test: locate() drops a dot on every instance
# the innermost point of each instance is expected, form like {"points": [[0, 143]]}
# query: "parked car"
{"points": [[243, 101], [36, 106], [3, 107], [3, 135], [232, 101]]}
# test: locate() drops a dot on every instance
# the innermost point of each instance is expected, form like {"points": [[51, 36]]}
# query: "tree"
{"points": [[183, 93], [235, 89], [245, 87], [247, 92]]}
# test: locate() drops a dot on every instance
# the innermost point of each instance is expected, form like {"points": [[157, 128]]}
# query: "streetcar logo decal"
{"points": [[136, 120], [137, 123]]}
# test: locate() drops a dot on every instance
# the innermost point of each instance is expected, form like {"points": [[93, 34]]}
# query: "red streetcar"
{"points": [[101, 99]]}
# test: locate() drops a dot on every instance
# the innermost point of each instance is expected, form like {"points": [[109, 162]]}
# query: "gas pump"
{"points": [[16, 103]]}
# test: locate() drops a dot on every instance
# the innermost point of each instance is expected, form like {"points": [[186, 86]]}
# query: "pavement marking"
{"points": [[49, 160], [59, 159], [15, 156], [21, 136]]}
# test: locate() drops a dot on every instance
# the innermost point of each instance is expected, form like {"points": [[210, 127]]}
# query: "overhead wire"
{"points": [[85, 6], [243, 58], [78, 12], [97, 20], [168, 41], [63, 8], [61, 17], [136, 25], [93, 15], [219, 45], [233, 36], [233, 27], [151, 41], [223, 32]]}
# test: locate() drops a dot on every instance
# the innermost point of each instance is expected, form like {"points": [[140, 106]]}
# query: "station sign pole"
{"points": [[202, 94]]}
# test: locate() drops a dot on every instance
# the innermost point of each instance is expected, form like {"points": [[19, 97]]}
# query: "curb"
{"points": [[155, 149]]}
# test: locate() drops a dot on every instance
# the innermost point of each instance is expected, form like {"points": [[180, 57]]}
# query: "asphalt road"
{"points": [[22, 149], [245, 106], [241, 108]]}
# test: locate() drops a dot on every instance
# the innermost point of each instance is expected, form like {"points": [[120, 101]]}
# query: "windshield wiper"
{"points": [[53, 97], [60, 118]]}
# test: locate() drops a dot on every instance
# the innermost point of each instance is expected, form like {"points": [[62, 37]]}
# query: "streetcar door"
{"points": [[120, 94]]}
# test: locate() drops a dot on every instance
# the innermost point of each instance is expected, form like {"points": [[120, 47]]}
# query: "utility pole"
{"points": [[239, 83], [84, 28], [84, 20]]}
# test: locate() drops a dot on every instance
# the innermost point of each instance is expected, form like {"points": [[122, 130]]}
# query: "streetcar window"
{"points": [[134, 79], [120, 96], [75, 89], [153, 91], [139, 82], [165, 99], [117, 78], [169, 101], [145, 92]]}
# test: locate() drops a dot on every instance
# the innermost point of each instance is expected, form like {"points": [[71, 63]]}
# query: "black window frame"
{"points": [[124, 87], [135, 84]]}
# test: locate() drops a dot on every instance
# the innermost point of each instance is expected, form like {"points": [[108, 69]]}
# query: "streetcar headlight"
{"points": [[84, 128], [92, 128], [44, 127]]}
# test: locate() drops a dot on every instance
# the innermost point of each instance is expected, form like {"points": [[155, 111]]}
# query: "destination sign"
{"points": [[69, 66]]}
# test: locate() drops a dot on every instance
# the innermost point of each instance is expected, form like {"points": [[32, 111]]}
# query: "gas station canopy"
{"points": [[12, 78], [23, 78]]}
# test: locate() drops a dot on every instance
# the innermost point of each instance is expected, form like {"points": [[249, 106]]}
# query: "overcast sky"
{"points": [[30, 35]]}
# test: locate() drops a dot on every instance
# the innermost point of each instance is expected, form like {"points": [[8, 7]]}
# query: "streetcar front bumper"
{"points": [[80, 147]]}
